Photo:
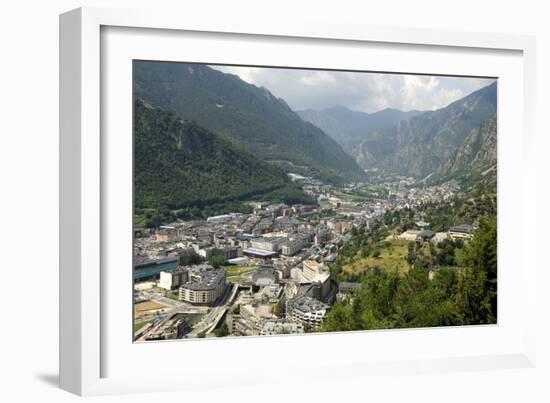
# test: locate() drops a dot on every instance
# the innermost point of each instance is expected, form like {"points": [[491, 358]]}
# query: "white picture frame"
{"points": [[85, 343]]}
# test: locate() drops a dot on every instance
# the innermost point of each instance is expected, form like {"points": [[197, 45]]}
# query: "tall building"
{"points": [[272, 244], [292, 247], [317, 273], [322, 235], [205, 285], [306, 310], [173, 279]]}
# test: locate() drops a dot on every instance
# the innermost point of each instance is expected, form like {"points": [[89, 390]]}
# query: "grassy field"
{"points": [[346, 197], [392, 258], [236, 274], [239, 279], [324, 204], [173, 295], [139, 325], [139, 221], [233, 270], [376, 188]]}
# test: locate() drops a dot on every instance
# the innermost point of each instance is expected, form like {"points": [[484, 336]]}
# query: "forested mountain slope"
{"points": [[179, 164], [250, 116]]}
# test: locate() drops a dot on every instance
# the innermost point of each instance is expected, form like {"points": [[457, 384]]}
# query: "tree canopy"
{"points": [[452, 295]]}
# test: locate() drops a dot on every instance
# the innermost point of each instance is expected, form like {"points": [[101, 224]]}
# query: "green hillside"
{"points": [[250, 116], [182, 166]]}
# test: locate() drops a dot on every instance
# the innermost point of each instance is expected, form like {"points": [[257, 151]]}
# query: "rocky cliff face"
{"points": [[437, 142], [479, 149]]}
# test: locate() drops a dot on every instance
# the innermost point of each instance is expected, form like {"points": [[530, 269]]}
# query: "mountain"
{"points": [[349, 128], [436, 142], [248, 115], [179, 164], [479, 149]]}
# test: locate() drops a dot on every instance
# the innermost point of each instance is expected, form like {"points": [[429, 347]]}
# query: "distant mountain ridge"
{"points": [[415, 143], [248, 115], [429, 143], [348, 127]]}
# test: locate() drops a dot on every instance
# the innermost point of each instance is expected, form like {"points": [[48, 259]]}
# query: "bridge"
{"points": [[207, 324]]}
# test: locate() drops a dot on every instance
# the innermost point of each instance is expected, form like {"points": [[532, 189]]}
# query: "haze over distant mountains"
{"points": [[349, 128], [442, 142]]}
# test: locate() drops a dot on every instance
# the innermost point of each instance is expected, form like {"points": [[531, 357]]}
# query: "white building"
{"points": [[272, 244], [273, 327], [172, 279], [314, 272], [292, 247], [306, 310]]}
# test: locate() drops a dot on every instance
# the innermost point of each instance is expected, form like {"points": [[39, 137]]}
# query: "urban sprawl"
{"points": [[265, 272]]}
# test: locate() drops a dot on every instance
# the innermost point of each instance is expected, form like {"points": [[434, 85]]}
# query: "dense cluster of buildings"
{"points": [[167, 330], [287, 248], [198, 284], [415, 196], [271, 232], [285, 285]]}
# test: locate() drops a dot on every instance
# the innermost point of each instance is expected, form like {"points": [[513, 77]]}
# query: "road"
{"points": [[211, 318], [209, 321]]}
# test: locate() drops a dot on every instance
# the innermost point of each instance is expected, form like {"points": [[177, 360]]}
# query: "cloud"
{"points": [[367, 92], [317, 78]]}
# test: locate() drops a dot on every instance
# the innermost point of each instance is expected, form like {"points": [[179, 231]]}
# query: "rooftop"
{"points": [[465, 228], [259, 252], [347, 286], [280, 326], [307, 304], [270, 239], [265, 275], [204, 278], [179, 269], [140, 261]]}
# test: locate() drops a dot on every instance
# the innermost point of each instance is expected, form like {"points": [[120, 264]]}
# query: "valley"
{"points": [[254, 218]]}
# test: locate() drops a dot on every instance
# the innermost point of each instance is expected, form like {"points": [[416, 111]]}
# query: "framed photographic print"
{"points": [[337, 191], [256, 214]]}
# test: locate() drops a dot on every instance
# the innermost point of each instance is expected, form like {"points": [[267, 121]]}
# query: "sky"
{"points": [[365, 92]]}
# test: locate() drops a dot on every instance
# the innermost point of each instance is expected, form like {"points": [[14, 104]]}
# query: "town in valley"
{"points": [[281, 201], [267, 272]]}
